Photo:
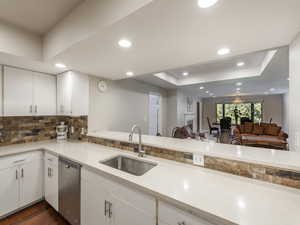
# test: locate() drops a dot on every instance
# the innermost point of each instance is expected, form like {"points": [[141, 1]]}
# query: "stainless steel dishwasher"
{"points": [[69, 190]]}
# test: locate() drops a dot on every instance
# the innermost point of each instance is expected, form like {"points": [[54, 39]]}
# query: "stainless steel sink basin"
{"points": [[130, 165]]}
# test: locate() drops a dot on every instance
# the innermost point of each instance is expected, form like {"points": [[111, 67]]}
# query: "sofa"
{"points": [[267, 135]]}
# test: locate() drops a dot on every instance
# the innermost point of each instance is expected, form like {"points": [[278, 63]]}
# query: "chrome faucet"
{"points": [[136, 127]]}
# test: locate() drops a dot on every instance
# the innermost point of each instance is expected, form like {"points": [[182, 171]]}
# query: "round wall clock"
{"points": [[102, 86]]}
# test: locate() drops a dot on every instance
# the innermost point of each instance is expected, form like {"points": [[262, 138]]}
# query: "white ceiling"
{"points": [[166, 34], [38, 16], [170, 34], [225, 69], [274, 76], [25, 63]]}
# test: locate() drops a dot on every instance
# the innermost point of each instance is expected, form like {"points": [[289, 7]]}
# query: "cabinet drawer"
{"points": [[52, 159], [10, 161], [169, 215]]}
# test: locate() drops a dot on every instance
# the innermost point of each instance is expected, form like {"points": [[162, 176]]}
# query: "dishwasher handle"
{"points": [[68, 163]]}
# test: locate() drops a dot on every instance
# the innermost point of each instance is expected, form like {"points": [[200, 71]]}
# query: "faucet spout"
{"points": [[140, 149]]}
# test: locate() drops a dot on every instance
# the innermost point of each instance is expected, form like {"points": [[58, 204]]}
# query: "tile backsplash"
{"points": [[23, 129]]}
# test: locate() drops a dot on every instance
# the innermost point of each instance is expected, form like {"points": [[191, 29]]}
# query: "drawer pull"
{"points": [[22, 172], [105, 207], [16, 174], [18, 161]]}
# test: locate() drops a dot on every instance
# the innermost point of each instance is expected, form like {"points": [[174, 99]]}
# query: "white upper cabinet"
{"points": [[44, 94], [72, 94], [28, 93], [18, 92]]}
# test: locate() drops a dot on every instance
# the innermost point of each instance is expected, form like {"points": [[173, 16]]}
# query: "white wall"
{"points": [[171, 111], [124, 104], [177, 108], [285, 112], [272, 107], [294, 119], [16, 41]]}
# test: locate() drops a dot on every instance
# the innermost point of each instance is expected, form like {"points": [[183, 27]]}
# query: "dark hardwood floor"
{"points": [[38, 214]]}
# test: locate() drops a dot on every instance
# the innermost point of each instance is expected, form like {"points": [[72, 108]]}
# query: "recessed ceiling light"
{"points": [[239, 84], [60, 65], [240, 64], [201, 88], [207, 92], [272, 89], [125, 43], [238, 89], [185, 74], [223, 51], [129, 74], [206, 3]]}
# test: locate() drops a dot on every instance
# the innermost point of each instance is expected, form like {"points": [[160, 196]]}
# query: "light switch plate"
{"points": [[198, 159]]}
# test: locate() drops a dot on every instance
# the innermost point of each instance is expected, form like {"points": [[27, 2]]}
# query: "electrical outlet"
{"points": [[198, 159]]}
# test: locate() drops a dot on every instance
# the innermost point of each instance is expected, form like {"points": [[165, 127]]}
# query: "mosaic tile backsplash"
{"points": [[265, 173], [24, 129]]}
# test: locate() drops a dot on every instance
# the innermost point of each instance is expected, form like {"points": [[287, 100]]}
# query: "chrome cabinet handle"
{"points": [[105, 207], [16, 174], [48, 172], [110, 210], [22, 172]]}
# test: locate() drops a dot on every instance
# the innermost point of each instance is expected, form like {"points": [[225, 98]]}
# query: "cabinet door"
{"points": [[169, 215], [51, 181], [94, 199], [31, 182], [126, 213], [64, 93], [9, 190], [80, 94], [44, 94], [18, 88]]}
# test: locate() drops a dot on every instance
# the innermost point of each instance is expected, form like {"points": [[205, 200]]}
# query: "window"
{"points": [[235, 111]]}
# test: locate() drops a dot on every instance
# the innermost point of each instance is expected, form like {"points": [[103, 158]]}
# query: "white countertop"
{"points": [[277, 158], [239, 200]]}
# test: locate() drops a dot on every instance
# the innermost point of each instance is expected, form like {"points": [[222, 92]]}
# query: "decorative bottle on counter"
{"points": [[61, 131]]}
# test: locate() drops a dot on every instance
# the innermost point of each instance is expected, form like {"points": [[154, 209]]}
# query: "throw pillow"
{"points": [[272, 130], [242, 129], [257, 129], [248, 127]]}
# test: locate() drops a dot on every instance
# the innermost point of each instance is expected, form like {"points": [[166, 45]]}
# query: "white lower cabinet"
{"points": [[21, 179], [107, 202], [51, 180], [9, 190], [31, 182], [170, 215]]}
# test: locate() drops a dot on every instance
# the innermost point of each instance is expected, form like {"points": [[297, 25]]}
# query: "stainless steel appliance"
{"points": [[69, 190]]}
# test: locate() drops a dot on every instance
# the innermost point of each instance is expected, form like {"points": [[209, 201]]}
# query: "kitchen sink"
{"points": [[130, 165]]}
